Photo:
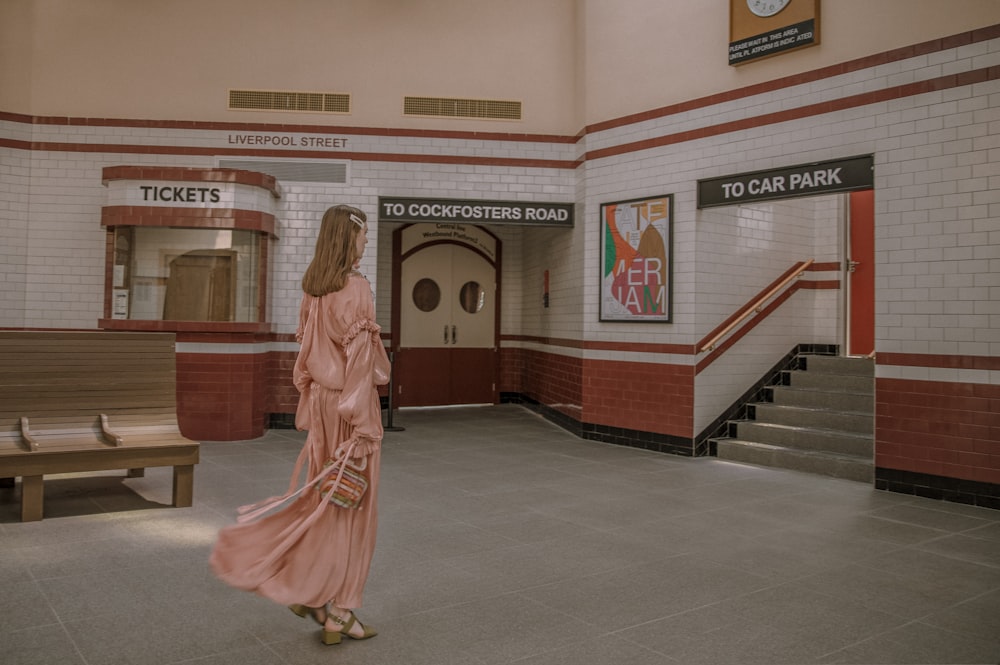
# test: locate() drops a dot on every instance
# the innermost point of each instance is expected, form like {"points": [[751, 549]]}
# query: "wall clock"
{"points": [[767, 8]]}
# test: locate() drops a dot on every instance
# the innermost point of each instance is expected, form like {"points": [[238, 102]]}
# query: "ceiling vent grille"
{"points": [[279, 100], [448, 107]]}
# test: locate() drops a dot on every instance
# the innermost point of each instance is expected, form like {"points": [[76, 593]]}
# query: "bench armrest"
{"points": [[26, 436], [110, 435]]}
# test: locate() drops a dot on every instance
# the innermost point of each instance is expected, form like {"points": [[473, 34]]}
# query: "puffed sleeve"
{"points": [[301, 376], [366, 358]]}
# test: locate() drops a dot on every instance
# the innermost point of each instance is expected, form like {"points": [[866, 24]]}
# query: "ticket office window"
{"points": [[176, 274]]}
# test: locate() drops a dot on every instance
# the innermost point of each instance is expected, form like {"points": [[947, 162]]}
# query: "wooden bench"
{"points": [[89, 401]]}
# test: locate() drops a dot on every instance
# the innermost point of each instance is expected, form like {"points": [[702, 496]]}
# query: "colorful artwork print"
{"points": [[636, 260]]}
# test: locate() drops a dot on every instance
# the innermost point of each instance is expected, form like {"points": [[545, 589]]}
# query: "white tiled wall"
{"points": [[15, 172]]}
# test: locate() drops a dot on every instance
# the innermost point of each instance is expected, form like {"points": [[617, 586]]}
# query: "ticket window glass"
{"points": [[172, 274]]}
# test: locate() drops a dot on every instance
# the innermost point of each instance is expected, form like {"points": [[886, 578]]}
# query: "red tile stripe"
{"points": [[988, 363], [852, 101], [183, 173], [195, 218]]}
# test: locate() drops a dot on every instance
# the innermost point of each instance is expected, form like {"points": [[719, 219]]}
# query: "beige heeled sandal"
{"points": [[305, 611], [335, 636]]}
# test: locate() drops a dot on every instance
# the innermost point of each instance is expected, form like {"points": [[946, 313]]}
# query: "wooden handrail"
{"points": [[756, 306]]}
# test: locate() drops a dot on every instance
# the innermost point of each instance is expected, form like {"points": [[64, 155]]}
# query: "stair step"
{"points": [[850, 467], [805, 438], [822, 399], [839, 365], [849, 383], [848, 421]]}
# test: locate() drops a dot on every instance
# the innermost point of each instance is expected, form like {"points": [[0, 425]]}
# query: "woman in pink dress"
{"points": [[300, 549]]}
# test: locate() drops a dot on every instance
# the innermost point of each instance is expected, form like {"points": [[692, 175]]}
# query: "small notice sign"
{"points": [[762, 28], [770, 43]]}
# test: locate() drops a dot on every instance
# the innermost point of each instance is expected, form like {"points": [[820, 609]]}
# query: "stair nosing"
{"points": [[821, 430], [813, 409], [811, 389], [810, 452]]}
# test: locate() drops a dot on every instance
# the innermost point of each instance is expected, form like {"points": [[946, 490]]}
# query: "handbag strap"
{"points": [[341, 466], [253, 511]]}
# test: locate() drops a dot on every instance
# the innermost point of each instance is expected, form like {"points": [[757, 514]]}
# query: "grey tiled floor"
{"points": [[504, 539]]}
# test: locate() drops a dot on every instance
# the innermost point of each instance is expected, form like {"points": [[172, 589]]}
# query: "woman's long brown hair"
{"points": [[336, 251]]}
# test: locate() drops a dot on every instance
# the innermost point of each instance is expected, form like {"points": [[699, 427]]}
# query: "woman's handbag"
{"points": [[346, 486]]}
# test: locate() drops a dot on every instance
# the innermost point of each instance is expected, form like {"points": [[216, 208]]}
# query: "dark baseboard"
{"points": [[619, 436], [971, 492], [281, 421]]}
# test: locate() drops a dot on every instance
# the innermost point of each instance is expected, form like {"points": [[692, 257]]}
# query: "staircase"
{"points": [[819, 420]]}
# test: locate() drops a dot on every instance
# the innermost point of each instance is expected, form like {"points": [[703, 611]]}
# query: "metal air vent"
{"points": [[448, 107], [292, 171], [280, 100]]}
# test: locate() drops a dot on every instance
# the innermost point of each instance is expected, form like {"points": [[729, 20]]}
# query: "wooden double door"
{"points": [[447, 313]]}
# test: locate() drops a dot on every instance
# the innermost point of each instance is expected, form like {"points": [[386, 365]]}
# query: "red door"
{"points": [[861, 274]]}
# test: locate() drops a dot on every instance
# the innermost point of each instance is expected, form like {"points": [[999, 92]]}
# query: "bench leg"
{"points": [[135, 473], [183, 485], [32, 498]]}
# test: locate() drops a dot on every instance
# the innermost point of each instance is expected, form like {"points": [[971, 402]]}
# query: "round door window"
{"points": [[472, 297], [426, 295]]}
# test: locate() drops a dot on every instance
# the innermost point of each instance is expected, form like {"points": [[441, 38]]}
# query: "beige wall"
{"points": [[572, 62], [176, 60], [16, 30], [646, 54]]}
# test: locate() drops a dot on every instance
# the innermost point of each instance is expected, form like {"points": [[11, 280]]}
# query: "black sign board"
{"points": [[507, 213], [838, 175], [769, 43]]}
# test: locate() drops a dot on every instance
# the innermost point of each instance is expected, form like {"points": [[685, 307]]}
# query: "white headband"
{"points": [[357, 220]]}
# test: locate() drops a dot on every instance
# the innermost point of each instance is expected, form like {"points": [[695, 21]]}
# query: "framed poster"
{"points": [[637, 259]]}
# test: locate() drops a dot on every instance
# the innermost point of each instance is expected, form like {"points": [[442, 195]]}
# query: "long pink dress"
{"points": [[311, 551]]}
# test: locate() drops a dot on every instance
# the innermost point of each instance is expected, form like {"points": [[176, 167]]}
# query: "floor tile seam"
{"points": [[878, 637], [985, 593], [951, 534], [706, 606], [89, 573], [918, 622], [490, 597], [536, 513], [905, 579], [72, 542], [513, 546], [905, 618], [847, 533], [594, 638], [953, 556], [269, 646], [603, 633], [908, 522], [603, 572], [581, 577], [955, 509], [900, 522], [63, 625]]}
